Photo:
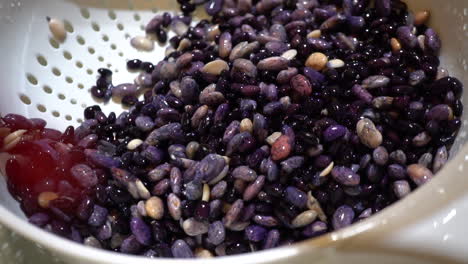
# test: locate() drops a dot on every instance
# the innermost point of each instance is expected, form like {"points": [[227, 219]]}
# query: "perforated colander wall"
{"points": [[52, 79]]}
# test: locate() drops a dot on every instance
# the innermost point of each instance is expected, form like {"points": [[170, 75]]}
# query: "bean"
{"points": [[401, 188], [142, 43], [174, 206], [233, 213], [301, 85], [440, 159], [303, 219], [57, 28], [244, 173], [345, 176], [273, 64], [368, 133], [317, 61], [154, 208], [44, 198], [272, 239], [342, 217], [225, 44], [281, 148], [180, 249], [254, 188], [375, 81], [296, 197], [255, 233], [215, 67], [193, 227], [216, 233], [419, 174]]}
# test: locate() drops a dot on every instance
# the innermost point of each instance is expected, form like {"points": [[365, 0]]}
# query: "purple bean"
{"points": [[39, 219], [333, 22], [285, 76], [254, 188], [210, 167], [396, 171], [218, 190], [273, 64], [241, 142], [84, 175], [172, 131], [130, 245], [255, 233], [98, 216], [161, 187], [104, 232], [141, 231], [342, 217], [295, 197], [432, 42], [362, 93], [213, 7], [291, 164], [231, 131], [272, 239], [315, 229], [244, 173], [245, 67], [268, 221], [225, 44], [345, 176], [380, 155], [401, 188], [216, 233], [234, 212], [193, 190], [319, 44], [406, 37], [334, 132]]}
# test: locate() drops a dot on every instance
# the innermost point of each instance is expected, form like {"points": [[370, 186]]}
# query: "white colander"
{"points": [[41, 77]]}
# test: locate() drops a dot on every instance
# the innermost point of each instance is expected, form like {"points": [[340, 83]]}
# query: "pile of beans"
{"points": [[274, 122]]}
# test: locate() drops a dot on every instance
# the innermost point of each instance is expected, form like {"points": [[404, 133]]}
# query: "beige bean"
{"points": [[142, 190], [45, 198], [246, 125], [57, 28], [213, 32], [335, 63], [314, 205], [215, 67], [154, 208], [289, 54], [317, 61], [368, 134], [315, 34], [421, 17], [133, 144], [273, 137], [206, 193], [327, 170], [395, 44], [203, 253], [142, 43], [304, 218], [184, 44]]}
